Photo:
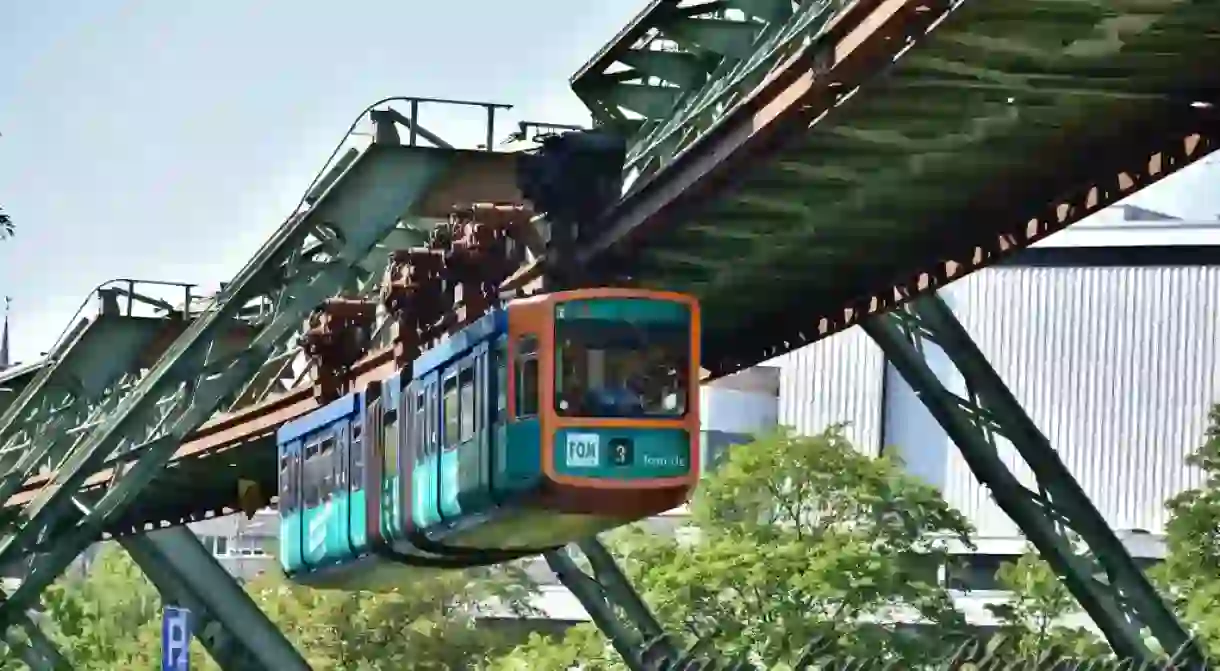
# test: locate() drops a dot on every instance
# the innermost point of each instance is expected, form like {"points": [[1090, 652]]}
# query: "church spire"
{"points": [[4, 354]]}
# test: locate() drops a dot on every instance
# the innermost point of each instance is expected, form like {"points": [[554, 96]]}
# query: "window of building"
{"points": [[527, 377], [974, 572], [220, 546]]}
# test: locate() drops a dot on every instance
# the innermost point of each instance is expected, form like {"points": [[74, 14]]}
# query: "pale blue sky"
{"points": [[165, 140]]}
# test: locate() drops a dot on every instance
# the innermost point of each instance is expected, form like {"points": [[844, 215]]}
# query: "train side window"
{"points": [[433, 419], [310, 474], [294, 478], [340, 463], [419, 430], [325, 468], [500, 361], [451, 409], [285, 482], [527, 376], [466, 402], [390, 442], [356, 456]]}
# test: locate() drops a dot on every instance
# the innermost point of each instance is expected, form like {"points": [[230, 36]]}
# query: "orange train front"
{"points": [[541, 423]]}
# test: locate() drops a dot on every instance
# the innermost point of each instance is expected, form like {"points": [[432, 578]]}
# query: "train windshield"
{"points": [[622, 357]]}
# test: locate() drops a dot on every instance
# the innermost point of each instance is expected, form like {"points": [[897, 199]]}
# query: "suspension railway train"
{"points": [[543, 422]]}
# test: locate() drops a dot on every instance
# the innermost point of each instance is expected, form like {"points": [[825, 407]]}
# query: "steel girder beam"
{"points": [[29, 643], [82, 376], [615, 607], [1104, 578], [237, 635], [309, 258]]}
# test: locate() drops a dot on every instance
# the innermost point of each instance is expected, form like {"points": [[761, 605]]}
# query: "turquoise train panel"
{"points": [[519, 457], [426, 471], [627, 453], [315, 456], [392, 523], [290, 542]]}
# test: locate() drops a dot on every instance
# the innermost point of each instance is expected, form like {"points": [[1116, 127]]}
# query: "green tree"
{"points": [[798, 539], [111, 619], [1038, 618], [1191, 571]]}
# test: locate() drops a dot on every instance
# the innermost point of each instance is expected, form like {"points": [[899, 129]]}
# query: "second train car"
{"points": [[543, 422]]}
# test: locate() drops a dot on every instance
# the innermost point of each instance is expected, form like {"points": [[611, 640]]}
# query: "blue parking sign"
{"points": [[176, 639]]}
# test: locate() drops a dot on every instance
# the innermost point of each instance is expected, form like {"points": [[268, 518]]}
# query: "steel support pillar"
{"points": [[228, 623], [615, 607], [1104, 578], [28, 641]]}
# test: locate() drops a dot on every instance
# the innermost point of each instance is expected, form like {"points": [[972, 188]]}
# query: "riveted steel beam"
{"points": [[1103, 577]]}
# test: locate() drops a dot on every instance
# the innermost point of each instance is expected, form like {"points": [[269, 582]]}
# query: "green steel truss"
{"points": [[84, 375], [1103, 577], [614, 606], [682, 64], [235, 632], [135, 422]]}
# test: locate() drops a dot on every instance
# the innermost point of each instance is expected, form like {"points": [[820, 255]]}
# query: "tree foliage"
{"points": [[1191, 571], [111, 619], [794, 539], [1042, 616], [798, 538], [6, 225]]}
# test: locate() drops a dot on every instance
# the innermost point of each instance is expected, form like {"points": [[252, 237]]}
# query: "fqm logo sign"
{"points": [[584, 450], [176, 639]]}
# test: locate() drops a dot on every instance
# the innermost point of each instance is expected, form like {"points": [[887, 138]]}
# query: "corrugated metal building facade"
{"points": [[1117, 365]]}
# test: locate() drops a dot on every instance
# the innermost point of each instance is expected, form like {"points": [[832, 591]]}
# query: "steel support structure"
{"points": [[237, 635], [33, 647], [615, 607], [308, 259], [1102, 576]]}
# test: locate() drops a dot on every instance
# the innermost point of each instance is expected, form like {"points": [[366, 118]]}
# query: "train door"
{"points": [[421, 508], [290, 506], [391, 525], [523, 444], [409, 458], [357, 519], [404, 461], [429, 472], [313, 531], [328, 496], [373, 465], [450, 440], [498, 438], [343, 491], [478, 402]]}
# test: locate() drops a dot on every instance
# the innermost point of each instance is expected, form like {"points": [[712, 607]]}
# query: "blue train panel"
{"points": [[315, 457]]}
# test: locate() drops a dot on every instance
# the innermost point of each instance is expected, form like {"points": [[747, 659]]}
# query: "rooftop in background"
{"points": [[1135, 226]]}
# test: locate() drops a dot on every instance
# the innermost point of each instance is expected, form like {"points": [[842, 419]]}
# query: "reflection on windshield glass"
{"points": [[616, 368]]}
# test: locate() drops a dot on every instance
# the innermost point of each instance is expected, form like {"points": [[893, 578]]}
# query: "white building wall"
{"points": [[834, 381], [1118, 367]]}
